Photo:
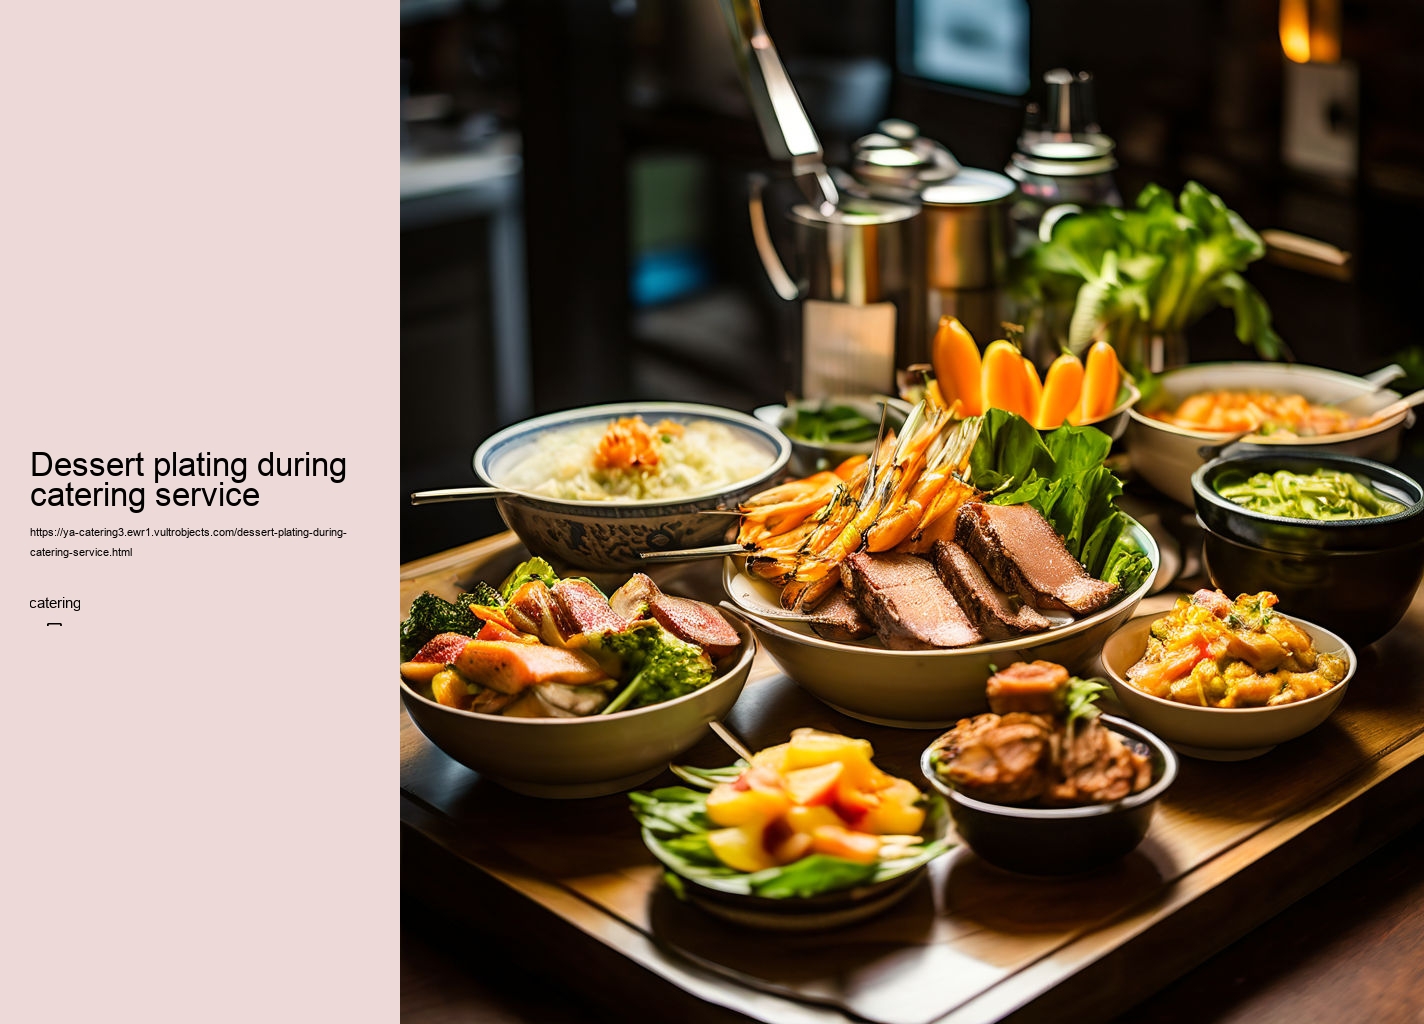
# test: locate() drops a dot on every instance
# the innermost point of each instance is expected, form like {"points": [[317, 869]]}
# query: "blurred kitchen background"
{"points": [[574, 181]]}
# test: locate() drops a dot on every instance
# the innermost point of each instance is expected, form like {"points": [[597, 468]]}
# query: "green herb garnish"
{"points": [[1080, 700]]}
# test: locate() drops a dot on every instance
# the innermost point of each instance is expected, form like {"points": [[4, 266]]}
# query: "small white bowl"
{"points": [[918, 689], [1166, 456], [1219, 734], [582, 757], [809, 457]]}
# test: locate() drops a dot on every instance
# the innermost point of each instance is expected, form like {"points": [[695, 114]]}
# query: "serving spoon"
{"points": [[458, 494], [1393, 409]]}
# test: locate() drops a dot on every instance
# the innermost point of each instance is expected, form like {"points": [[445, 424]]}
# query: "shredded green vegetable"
{"points": [[1326, 494], [832, 424]]}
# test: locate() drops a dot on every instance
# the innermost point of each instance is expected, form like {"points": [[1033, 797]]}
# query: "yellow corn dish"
{"points": [[1214, 652]]}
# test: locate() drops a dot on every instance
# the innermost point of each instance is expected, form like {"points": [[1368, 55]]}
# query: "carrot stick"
{"points": [[1062, 390], [1003, 378], [957, 366], [1101, 377]]}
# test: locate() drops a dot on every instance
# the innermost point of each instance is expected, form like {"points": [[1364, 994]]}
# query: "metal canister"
{"points": [[859, 284], [964, 232], [1064, 163]]}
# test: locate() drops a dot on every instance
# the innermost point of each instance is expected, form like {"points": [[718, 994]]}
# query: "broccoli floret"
{"points": [[482, 594], [657, 665], [431, 616]]}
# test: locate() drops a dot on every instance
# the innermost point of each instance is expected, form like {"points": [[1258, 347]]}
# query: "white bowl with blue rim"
{"points": [[610, 534]]}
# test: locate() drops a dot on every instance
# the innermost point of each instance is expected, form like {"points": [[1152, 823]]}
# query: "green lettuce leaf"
{"points": [[1062, 475]]}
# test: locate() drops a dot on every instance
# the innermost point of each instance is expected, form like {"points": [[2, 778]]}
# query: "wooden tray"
{"points": [[1231, 845]]}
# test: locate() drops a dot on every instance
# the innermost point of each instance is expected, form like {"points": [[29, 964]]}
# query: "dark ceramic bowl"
{"points": [[1061, 840], [1361, 595], [1281, 533], [1355, 577]]}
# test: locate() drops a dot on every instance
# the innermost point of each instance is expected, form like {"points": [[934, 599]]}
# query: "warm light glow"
{"points": [[1310, 31], [1295, 30], [1325, 32]]}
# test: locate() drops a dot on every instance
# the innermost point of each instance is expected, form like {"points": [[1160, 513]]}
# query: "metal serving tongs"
{"points": [[784, 125]]}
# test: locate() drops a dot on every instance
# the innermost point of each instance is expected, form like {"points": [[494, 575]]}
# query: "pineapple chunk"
{"points": [[808, 819], [772, 757], [728, 805], [896, 813], [809, 748], [741, 848], [811, 786]]}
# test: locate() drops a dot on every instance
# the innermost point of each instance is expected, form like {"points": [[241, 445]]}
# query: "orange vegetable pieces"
{"points": [[838, 841], [417, 672], [497, 631], [509, 666], [449, 689], [1102, 376], [1004, 383], [957, 366], [1062, 390]]}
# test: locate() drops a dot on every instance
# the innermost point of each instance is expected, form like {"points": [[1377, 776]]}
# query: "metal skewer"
{"points": [[692, 554], [725, 735]]}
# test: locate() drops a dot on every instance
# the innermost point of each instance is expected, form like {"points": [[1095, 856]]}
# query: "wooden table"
{"points": [[1232, 845]]}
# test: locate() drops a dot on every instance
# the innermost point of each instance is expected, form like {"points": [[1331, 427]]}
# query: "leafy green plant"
{"points": [[1154, 269]]}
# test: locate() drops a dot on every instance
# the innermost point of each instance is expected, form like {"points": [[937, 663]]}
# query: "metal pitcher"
{"points": [[858, 281]]}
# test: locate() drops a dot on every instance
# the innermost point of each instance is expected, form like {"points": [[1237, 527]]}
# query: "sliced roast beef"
{"points": [[697, 623], [997, 615], [693, 621], [1019, 551], [907, 602], [837, 618], [579, 607]]}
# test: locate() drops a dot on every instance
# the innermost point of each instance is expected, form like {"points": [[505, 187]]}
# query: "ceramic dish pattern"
{"points": [[608, 535]]}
